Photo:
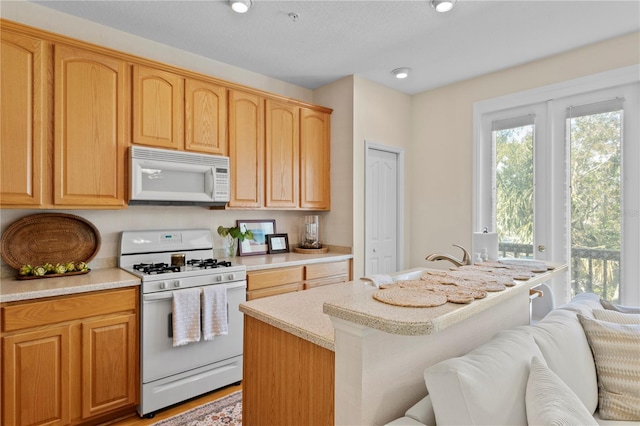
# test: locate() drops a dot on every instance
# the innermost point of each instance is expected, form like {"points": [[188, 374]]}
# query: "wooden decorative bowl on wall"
{"points": [[49, 238]]}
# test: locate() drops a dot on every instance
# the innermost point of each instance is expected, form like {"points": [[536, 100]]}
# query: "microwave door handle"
{"points": [[209, 184]]}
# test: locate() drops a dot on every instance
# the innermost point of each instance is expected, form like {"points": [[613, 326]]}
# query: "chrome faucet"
{"points": [[466, 259]]}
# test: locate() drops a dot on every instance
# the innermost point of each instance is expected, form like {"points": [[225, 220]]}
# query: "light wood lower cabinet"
{"points": [[70, 359], [270, 282], [286, 380], [318, 274]]}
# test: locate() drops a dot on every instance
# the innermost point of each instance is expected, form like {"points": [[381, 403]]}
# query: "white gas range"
{"points": [[168, 261]]}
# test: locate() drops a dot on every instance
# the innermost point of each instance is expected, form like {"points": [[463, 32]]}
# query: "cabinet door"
{"points": [[282, 155], [23, 114], [90, 128], [205, 117], [36, 376], [246, 151], [158, 108], [109, 369], [315, 161]]}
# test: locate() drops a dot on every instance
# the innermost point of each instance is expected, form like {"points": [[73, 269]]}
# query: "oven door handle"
{"points": [[168, 295]]}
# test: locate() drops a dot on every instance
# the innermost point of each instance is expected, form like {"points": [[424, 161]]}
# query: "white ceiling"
{"points": [[333, 39]]}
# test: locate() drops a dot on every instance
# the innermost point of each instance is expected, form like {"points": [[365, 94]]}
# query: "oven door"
{"points": [[161, 359]]}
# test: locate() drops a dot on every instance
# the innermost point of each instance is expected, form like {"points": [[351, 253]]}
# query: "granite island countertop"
{"points": [[306, 314], [13, 290]]}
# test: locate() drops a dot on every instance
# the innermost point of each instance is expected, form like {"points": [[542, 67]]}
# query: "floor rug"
{"points": [[226, 411]]}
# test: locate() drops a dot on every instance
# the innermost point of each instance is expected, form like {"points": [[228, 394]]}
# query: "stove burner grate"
{"points": [[208, 263], [155, 268]]}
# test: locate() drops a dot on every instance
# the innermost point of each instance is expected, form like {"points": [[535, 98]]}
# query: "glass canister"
{"points": [[310, 232]]}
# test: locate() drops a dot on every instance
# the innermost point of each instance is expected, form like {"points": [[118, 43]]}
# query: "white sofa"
{"points": [[488, 385]]}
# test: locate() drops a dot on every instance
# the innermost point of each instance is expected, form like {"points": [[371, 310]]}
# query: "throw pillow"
{"points": [[616, 351], [624, 309], [615, 316], [550, 402], [485, 386]]}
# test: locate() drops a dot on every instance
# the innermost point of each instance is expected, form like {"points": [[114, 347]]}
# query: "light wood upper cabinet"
{"points": [[315, 161], [246, 149], [282, 155], [90, 138], [205, 117], [158, 108], [24, 63], [70, 110], [294, 163]]}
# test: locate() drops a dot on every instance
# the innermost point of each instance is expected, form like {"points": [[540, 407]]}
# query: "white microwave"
{"points": [[165, 177]]}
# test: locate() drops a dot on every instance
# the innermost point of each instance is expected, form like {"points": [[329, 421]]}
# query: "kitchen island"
{"points": [[334, 355]]}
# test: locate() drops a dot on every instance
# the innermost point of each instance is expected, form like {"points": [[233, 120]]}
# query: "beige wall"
{"points": [[442, 140], [338, 224], [383, 116]]}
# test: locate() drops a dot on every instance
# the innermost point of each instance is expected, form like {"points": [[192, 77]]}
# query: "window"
{"points": [[595, 141], [556, 176]]}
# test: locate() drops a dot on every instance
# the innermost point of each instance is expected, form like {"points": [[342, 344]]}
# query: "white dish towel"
{"points": [[378, 279], [214, 311], [186, 316]]}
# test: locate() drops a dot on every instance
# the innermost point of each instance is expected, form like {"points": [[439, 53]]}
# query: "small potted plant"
{"points": [[233, 234]]}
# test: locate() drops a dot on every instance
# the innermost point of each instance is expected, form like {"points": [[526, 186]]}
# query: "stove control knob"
{"points": [[231, 277], [176, 283], [219, 278], [163, 285]]}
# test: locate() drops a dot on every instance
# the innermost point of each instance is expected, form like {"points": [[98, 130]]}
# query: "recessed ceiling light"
{"points": [[240, 6], [442, 5], [401, 72]]}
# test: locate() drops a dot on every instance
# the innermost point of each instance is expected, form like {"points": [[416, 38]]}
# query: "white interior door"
{"points": [[383, 204]]}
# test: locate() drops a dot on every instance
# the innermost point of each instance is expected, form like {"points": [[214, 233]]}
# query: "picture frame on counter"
{"points": [[278, 243], [260, 228]]}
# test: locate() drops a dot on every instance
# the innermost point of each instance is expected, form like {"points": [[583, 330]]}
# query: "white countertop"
{"points": [[306, 314], [280, 260], [12, 289]]}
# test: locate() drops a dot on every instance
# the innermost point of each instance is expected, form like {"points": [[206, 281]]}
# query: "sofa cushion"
{"points": [[615, 316], [485, 386], [566, 351], [549, 401], [616, 351], [583, 303], [624, 309], [422, 411], [405, 421], [603, 422]]}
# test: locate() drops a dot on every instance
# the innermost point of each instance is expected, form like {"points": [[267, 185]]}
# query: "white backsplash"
{"points": [[111, 222]]}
